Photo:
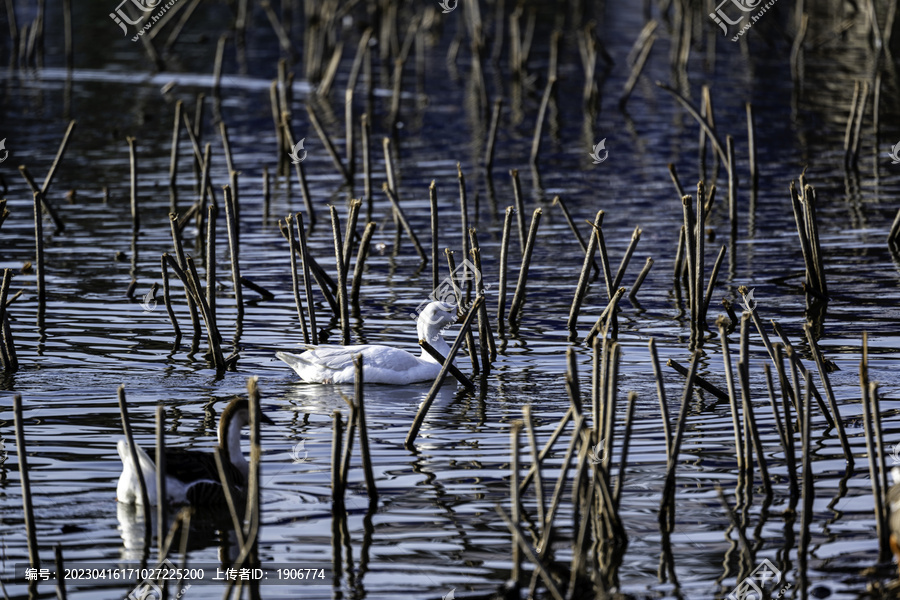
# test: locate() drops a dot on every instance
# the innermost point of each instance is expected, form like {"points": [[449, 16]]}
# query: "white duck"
{"points": [[381, 364], [191, 475]]}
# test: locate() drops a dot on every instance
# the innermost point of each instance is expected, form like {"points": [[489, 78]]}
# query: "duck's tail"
{"points": [[128, 489], [299, 364]]}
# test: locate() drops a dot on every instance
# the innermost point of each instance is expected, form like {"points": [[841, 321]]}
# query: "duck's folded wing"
{"points": [[190, 466], [338, 358], [388, 359], [205, 493]]}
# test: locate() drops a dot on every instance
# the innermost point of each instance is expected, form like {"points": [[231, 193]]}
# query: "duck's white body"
{"points": [[191, 476], [128, 489], [381, 364]]}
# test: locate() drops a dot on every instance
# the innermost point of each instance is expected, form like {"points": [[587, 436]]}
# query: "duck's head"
{"points": [[434, 318], [235, 417]]}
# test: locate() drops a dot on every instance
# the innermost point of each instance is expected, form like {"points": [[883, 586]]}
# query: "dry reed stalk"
{"points": [[732, 396], [464, 216], [606, 316], [342, 276], [661, 393], [636, 69], [34, 558], [176, 130], [535, 460], [350, 231], [702, 383], [363, 430], [337, 485], [872, 427], [295, 283], [135, 465], [667, 507], [361, 255], [347, 449], [750, 417], [531, 553], [162, 498], [365, 133], [435, 267], [832, 401], [485, 333], [132, 160], [406, 226], [209, 317], [211, 257], [454, 370], [751, 147], [515, 501], [492, 136], [39, 260], [233, 226], [520, 207], [329, 145], [182, 265], [299, 169], [519, 296], [167, 297], [584, 277], [539, 124], [307, 281], [439, 380], [635, 238], [504, 258], [632, 295]]}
